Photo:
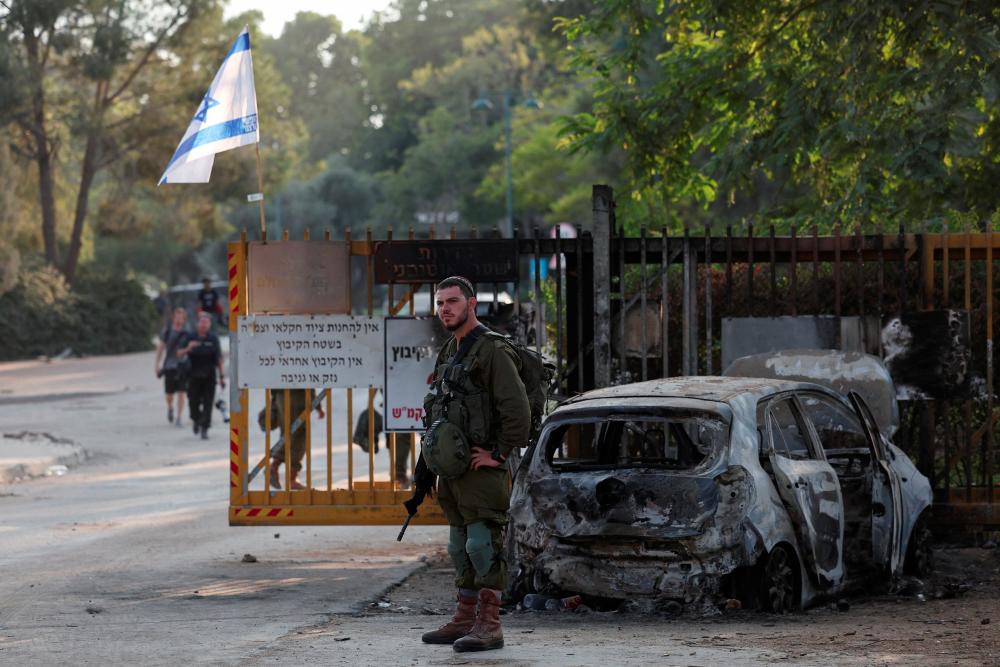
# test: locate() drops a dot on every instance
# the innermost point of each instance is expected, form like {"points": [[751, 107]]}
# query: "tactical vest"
{"points": [[457, 413]]}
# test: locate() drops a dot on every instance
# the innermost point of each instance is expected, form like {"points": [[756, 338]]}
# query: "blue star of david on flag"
{"points": [[208, 103], [226, 118]]}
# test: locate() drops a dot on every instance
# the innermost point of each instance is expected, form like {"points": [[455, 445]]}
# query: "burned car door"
{"points": [[808, 487], [869, 508], [886, 491]]}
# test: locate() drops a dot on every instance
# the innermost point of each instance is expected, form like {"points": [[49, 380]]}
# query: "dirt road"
{"points": [[128, 558]]}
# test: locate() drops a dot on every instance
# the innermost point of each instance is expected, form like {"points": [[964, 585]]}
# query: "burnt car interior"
{"points": [[847, 450], [632, 441], [849, 454]]}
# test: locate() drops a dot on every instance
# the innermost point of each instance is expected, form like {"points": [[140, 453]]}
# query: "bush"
{"points": [[100, 315]]}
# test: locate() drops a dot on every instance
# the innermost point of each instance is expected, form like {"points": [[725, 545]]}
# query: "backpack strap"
{"points": [[467, 343]]}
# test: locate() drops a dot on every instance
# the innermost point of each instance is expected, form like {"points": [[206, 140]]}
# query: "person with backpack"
{"points": [[175, 367], [477, 413]]}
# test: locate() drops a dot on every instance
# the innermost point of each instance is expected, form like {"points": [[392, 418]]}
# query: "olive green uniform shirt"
{"points": [[484, 494]]}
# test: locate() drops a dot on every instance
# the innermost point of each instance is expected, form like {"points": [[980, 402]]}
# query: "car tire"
{"points": [[779, 581], [919, 561]]}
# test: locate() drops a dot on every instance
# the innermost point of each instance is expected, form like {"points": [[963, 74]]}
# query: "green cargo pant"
{"points": [[297, 405], [477, 552]]}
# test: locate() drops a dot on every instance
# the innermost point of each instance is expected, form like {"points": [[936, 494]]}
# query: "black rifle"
{"points": [[423, 483]]}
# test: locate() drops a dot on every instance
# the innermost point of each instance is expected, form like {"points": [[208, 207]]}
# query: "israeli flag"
{"points": [[225, 119]]}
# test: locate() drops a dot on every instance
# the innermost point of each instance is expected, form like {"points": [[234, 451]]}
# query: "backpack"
{"points": [[536, 375]]}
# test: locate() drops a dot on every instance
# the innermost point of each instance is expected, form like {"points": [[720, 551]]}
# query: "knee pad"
{"points": [[479, 546], [456, 545]]}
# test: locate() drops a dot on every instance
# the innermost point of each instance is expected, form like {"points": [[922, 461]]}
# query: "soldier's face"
{"points": [[453, 308]]}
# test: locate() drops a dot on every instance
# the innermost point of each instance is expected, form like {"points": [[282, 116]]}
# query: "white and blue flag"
{"points": [[225, 119]]}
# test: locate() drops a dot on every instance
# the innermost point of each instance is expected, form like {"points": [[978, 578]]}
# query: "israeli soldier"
{"points": [[478, 412], [297, 405]]}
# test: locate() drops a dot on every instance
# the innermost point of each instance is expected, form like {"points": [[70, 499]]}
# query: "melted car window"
{"points": [[679, 444], [838, 428], [786, 434]]}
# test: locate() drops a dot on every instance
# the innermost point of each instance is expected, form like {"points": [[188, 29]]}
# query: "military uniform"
{"points": [[297, 404], [497, 419]]}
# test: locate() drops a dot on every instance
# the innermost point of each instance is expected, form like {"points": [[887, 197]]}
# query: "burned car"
{"points": [[770, 490]]}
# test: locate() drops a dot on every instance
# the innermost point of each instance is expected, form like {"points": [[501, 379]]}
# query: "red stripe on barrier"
{"points": [[234, 292], [231, 255], [273, 512], [234, 468], [236, 431], [234, 448], [232, 271], [291, 512], [232, 484], [238, 510], [254, 512]]}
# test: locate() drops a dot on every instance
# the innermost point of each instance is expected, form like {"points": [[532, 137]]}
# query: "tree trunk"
{"points": [[88, 169], [43, 150]]}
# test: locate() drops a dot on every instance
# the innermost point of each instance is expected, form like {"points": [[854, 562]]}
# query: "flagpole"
{"points": [[260, 188]]}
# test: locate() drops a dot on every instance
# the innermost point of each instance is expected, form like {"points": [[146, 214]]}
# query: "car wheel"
{"points": [[919, 552], [779, 581]]}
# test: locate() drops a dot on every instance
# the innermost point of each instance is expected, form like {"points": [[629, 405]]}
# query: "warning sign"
{"points": [[309, 351], [411, 346]]}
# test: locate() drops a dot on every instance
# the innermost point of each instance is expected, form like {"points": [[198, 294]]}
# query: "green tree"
{"points": [[76, 69], [859, 111], [320, 64]]}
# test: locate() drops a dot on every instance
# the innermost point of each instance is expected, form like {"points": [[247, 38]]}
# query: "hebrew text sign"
{"points": [[309, 351]]}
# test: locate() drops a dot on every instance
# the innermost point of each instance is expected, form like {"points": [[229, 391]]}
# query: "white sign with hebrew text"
{"points": [[309, 351]]}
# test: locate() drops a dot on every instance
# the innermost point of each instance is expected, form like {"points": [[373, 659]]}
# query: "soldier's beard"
{"points": [[459, 321]]}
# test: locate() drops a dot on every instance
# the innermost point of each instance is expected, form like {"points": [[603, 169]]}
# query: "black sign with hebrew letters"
{"points": [[432, 260]]}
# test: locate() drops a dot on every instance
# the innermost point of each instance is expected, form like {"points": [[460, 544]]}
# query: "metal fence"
{"points": [[617, 308]]}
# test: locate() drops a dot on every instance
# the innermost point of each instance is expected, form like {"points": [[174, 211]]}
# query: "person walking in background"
{"points": [[205, 355], [174, 368], [208, 301], [297, 408]]}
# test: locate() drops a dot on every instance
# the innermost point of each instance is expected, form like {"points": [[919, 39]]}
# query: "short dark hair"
{"points": [[464, 284]]}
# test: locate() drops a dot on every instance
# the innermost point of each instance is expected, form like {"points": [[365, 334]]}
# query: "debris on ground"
{"points": [[249, 558]]}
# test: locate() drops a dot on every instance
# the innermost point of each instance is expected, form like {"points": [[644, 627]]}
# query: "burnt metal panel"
{"points": [[929, 354], [743, 336]]}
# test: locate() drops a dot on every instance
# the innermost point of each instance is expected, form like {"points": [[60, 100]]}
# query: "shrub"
{"points": [[100, 315]]}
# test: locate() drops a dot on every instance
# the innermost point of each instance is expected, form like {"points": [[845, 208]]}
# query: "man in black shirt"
{"points": [[208, 300], [205, 355]]}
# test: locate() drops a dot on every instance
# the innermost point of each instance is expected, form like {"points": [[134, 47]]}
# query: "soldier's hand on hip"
{"points": [[483, 459]]}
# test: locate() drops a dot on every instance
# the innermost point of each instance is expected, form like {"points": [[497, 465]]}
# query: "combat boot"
{"points": [[459, 626], [486, 633]]}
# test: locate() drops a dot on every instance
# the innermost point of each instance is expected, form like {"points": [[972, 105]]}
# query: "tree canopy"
{"points": [[871, 112], [858, 112]]}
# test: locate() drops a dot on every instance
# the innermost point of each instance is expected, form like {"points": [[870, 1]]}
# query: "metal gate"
{"points": [[344, 484], [684, 286]]}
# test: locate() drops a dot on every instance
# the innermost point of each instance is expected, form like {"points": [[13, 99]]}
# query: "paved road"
{"points": [[128, 559]]}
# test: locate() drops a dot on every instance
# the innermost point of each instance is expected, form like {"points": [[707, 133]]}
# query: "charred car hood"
{"points": [[623, 503]]}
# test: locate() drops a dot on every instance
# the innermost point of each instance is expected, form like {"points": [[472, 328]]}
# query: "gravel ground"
{"points": [[953, 618]]}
